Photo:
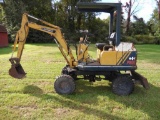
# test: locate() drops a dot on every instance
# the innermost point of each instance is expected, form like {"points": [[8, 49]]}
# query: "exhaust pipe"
{"points": [[16, 69]]}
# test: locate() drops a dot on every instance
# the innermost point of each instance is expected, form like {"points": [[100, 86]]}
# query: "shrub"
{"points": [[128, 39], [145, 39], [157, 40], [141, 39]]}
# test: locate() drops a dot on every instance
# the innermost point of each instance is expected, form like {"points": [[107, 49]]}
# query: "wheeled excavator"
{"points": [[116, 61]]}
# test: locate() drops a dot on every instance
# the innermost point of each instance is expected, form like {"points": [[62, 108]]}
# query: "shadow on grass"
{"points": [[141, 99], [32, 89], [69, 101], [6, 50], [86, 95]]}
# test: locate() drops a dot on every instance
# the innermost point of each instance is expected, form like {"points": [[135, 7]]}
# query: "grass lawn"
{"points": [[34, 96]]}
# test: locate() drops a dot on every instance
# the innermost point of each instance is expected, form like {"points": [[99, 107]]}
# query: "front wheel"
{"points": [[123, 85], [64, 84]]}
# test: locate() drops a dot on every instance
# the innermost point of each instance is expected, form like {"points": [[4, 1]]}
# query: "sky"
{"points": [[1, 1], [145, 7]]}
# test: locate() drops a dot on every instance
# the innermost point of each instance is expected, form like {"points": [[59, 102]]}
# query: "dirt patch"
{"points": [[147, 65], [25, 111], [61, 112], [116, 109], [53, 61], [24, 107]]}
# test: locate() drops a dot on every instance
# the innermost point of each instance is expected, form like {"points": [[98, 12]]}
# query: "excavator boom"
{"points": [[16, 69]]}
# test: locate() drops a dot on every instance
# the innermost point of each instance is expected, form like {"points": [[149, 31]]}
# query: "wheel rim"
{"points": [[64, 86], [123, 87]]}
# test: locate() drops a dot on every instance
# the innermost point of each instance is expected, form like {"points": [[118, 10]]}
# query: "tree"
{"points": [[14, 9], [131, 9], [139, 26], [62, 13], [39, 8], [153, 22], [12, 13], [71, 20], [153, 25], [158, 5], [1, 14]]}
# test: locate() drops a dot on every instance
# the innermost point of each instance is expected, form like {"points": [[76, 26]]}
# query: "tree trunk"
{"points": [[159, 9], [158, 4], [79, 18], [128, 17]]}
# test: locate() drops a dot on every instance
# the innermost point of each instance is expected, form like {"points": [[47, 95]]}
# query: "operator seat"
{"points": [[105, 46]]}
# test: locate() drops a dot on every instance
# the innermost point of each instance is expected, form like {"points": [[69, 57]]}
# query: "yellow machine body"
{"points": [[82, 52], [111, 59]]}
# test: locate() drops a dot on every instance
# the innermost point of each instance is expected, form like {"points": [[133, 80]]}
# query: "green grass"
{"points": [[34, 96]]}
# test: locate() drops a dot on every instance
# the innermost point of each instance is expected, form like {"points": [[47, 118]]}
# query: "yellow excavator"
{"points": [[115, 61]]}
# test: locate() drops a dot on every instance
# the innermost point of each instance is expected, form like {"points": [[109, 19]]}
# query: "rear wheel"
{"points": [[123, 85], [64, 84]]}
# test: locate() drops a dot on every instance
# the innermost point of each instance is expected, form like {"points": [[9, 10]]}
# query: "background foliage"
{"points": [[64, 14]]}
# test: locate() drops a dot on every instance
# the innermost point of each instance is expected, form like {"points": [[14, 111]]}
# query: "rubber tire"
{"points": [[64, 84], [123, 85]]}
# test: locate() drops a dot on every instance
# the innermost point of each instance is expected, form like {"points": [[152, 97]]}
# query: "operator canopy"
{"points": [[97, 6], [104, 7]]}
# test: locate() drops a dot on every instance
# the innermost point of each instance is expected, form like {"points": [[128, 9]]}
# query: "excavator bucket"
{"points": [[138, 77], [16, 69]]}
